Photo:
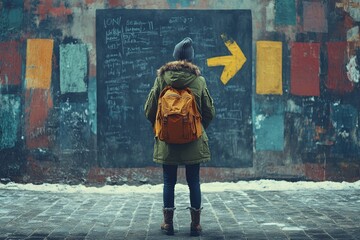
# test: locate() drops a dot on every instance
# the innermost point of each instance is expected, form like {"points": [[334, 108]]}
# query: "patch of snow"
{"points": [[281, 225], [353, 73], [259, 185], [293, 228], [251, 206]]}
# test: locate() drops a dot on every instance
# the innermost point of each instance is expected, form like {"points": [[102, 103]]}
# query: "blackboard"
{"points": [[132, 44]]}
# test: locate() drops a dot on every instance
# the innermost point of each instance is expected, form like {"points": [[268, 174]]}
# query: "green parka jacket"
{"points": [[181, 74]]}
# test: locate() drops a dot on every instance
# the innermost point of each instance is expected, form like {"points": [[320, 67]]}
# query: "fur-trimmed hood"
{"points": [[179, 66], [179, 74]]}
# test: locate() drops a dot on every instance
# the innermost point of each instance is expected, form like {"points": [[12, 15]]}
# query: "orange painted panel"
{"points": [[38, 63]]}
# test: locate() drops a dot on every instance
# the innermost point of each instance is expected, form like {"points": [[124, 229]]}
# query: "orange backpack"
{"points": [[178, 120]]}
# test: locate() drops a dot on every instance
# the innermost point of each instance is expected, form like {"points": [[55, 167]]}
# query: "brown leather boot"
{"points": [[195, 227], [167, 226]]}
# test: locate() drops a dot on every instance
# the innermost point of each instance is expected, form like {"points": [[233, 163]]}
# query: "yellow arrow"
{"points": [[232, 63]]}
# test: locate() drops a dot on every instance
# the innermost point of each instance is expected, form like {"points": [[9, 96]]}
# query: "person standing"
{"points": [[180, 74]]}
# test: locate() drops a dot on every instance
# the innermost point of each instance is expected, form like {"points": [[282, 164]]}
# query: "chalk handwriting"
{"points": [[111, 22], [180, 19], [113, 35]]}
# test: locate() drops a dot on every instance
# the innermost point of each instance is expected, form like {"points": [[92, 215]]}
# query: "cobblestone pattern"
{"points": [[226, 215]]}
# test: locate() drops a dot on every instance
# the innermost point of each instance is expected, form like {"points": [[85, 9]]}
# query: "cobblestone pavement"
{"points": [[321, 214]]}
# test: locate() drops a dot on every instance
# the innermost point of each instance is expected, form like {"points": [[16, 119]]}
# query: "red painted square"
{"points": [[337, 79], [10, 63], [305, 68]]}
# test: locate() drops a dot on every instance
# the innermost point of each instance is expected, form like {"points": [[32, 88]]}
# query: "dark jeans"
{"points": [[192, 178]]}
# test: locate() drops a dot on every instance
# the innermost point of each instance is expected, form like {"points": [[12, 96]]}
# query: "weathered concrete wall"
{"points": [[305, 100]]}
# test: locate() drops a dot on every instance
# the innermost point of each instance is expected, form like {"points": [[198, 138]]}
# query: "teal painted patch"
{"points": [[269, 125], [15, 17], [73, 68], [285, 12], [11, 16], [9, 120]]}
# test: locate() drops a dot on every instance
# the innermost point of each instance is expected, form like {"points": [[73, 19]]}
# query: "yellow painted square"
{"points": [[269, 67], [39, 63]]}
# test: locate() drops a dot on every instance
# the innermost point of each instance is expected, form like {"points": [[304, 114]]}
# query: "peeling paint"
{"points": [[344, 118], [74, 130], [352, 34], [258, 120], [293, 107], [353, 70], [354, 10]]}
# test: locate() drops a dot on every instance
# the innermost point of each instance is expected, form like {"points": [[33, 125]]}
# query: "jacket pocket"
{"points": [[204, 149], [161, 150]]}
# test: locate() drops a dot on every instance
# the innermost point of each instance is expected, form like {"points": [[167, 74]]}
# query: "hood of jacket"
{"points": [[179, 74]]}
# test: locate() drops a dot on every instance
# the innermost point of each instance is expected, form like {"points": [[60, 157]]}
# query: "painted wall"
{"points": [[304, 99]]}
